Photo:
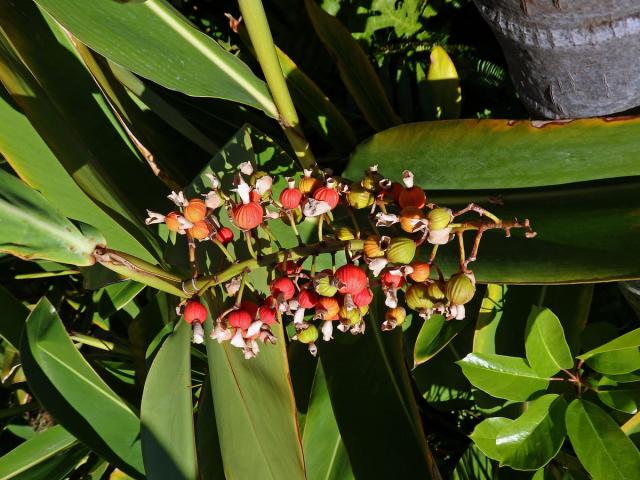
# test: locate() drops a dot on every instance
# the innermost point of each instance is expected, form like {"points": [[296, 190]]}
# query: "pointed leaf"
{"points": [[67, 386], [534, 438], [621, 396], [354, 67], [152, 39], [435, 334], [619, 356], [168, 439], [547, 349], [14, 314], [485, 434], [30, 228], [604, 450], [443, 86], [501, 376]]}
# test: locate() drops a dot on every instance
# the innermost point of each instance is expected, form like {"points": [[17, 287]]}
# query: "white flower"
{"points": [[391, 298], [246, 168], [198, 333], [213, 200], [178, 199], [386, 219], [243, 190], [264, 184], [327, 330], [313, 350], [233, 286], [154, 218], [377, 265], [315, 208], [184, 223], [221, 334], [298, 317], [215, 182], [407, 178], [237, 340], [439, 237], [254, 328]]}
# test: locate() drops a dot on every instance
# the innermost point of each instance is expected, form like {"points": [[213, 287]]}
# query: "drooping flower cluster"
{"points": [[395, 252]]}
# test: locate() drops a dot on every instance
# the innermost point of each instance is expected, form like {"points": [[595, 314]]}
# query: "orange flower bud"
{"points": [[195, 210]]}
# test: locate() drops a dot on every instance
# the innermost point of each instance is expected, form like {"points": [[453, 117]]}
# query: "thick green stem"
{"points": [[258, 28]]}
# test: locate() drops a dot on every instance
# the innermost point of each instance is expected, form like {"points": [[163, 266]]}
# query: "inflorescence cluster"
{"points": [[400, 222]]}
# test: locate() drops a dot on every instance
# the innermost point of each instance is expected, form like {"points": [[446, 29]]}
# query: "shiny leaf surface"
{"points": [[547, 349], [485, 434], [619, 356]]}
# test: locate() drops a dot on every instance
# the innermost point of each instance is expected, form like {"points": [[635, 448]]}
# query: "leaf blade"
{"points": [[545, 344]]}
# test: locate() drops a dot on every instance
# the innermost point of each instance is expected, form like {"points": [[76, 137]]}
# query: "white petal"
{"points": [[343, 327], [293, 305], [327, 330], [233, 286], [263, 184], [178, 199], [215, 183], [246, 168], [154, 217], [313, 350], [407, 178], [386, 219], [299, 316], [243, 190], [213, 200], [391, 298], [254, 328], [271, 214], [184, 223], [460, 313], [198, 333], [237, 340], [439, 237], [315, 208], [377, 265]]}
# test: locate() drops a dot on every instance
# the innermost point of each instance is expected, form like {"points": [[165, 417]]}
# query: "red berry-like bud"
{"points": [[194, 311], [307, 299], [391, 280], [224, 235], [328, 194], [240, 319], [250, 307], [412, 197], [200, 230], [247, 216], [171, 220], [394, 191], [195, 210], [283, 287], [254, 196], [329, 307], [420, 272], [363, 298], [291, 197], [352, 279], [267, 312]]}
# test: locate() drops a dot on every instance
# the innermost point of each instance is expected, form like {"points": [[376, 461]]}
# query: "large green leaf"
{"points": [[35, 458], [534, 438], [435, 333], [208, 445], [485, 433], [604, 450], [354, 68], [14, 314], [373, 402], [547, 349], [474, 465], [153, 40], [621, 355], [324, 453], [67, 386], [166, 414], [30, 228], [621, 396], [501, 376], [500, 154]]}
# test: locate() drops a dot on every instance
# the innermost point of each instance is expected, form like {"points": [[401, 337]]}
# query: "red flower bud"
{"points": [[200, 230], [254, 196], [307, 299], [194, 311], [195, 210], [291, 197], [353, 279], [363, 298], [283, 287], [171, 220], [327, 194], [394, 191], [240, 319], [391, 280], [250, 307], [412, 197], [224, 235], [420, 272], [247, 216], [266, 312], [329, 307]]}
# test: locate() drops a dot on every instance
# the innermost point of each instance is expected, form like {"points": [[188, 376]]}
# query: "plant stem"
{"points": [[249, 238], [292, 222], [255, 19], [224, 250]]}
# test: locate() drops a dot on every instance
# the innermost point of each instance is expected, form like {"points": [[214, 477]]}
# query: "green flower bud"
{"points": [[323, 285], [371, 180], [401, 250], [461, 288], [358, 197], [308, 335], [439, 218], [345, 233], [352, 317], [436, 292], [417, 297], [396, 316]]}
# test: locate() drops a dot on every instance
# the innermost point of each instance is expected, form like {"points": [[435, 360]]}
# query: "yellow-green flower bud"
{"points": [[323, 285], [439, 218], [396, 315], [308, 335], [371, 180], [417, 297], [436, 292], [358, 197], [460, 288], [372, 248], [401, 250], [345, 233]]}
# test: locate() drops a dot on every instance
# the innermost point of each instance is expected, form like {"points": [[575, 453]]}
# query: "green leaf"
{"points": [[36, 457], [166, 414], [443, 86], [571, 303], [491, 309], [153, 40], [500, 154], [501, 376], [604, 450], [619, 356], [31, 229], [354, 68], [485, 434], [621, 396], [14, 314], [373, 402], [324, 453], [67, 386], [547, 349], [534, 438], [474, 465], [208, 445], [435, 334]]}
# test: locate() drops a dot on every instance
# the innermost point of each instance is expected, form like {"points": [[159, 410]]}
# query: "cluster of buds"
{"points": [[400, 260]]}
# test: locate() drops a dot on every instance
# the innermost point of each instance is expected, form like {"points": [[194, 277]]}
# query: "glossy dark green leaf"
{"points": [[31, 229], [74, 394], [604, 450], [619, 356], [354, 67], [434, 335], [474, 465], [534, 438], [547, 349], [208, 445], [489, 318], [621, 396], [501, 154], [152, 39], [503, 377], [324, 453], [166, 414], [14, 314], [572, 304], [485, 434], [369, 372], [41, 455]]}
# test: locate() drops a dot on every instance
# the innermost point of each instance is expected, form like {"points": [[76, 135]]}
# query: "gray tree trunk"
{"points": [[570, 58]]}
